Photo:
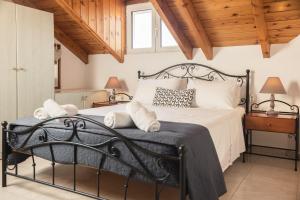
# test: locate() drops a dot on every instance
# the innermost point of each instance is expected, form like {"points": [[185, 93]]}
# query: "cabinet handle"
{"points": [[18, 69]]}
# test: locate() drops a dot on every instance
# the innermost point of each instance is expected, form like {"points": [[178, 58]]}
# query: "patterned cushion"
{"points": [[173, 98]]}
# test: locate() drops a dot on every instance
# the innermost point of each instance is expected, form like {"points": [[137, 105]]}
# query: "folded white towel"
{"points": [[71, 109], [41, 114], [54, 109], [142, 118], [118, 120]]}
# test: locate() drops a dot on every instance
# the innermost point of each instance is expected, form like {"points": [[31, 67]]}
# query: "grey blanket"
{"points": [[204, 174]]}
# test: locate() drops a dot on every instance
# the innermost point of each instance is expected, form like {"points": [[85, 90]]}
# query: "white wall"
{"points": [[285, 63], [73, 71]]}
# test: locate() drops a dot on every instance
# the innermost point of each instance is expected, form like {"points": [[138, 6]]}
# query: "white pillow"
{"points": [[215, 94], [145, 91]]}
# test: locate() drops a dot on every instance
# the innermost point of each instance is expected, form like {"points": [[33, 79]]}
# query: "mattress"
{"points": [[225, 126]]}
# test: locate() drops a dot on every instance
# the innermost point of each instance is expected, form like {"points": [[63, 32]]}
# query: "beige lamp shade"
{"points": [[113, 83], [273, 85]]}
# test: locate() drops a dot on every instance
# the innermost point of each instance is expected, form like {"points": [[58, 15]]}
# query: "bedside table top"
{"points": [[280, 116], [105, 103]]}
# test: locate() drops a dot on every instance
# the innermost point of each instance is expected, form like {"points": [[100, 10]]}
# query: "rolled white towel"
{"points": [[154, 126], [71, 109], [142, 118], [118, 120], [54, 109], [41, 114]]}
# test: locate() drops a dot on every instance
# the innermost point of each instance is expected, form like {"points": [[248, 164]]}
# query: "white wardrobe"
{"points": [[26, 60]]}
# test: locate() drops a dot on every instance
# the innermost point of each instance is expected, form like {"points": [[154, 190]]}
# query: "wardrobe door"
{"points": [[7, 62], [35, 58]]}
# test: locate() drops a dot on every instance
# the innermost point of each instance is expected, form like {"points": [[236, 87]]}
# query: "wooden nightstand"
{"points": [[284, 123]]}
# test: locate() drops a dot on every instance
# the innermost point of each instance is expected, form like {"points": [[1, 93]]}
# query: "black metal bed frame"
{"points": [[107, 148]]}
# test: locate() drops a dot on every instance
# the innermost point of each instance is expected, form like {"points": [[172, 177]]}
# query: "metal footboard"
{"points": [[107, 150]]}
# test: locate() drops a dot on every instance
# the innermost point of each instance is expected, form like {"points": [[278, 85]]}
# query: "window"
{"points": [[146, 32], [142, 29]]}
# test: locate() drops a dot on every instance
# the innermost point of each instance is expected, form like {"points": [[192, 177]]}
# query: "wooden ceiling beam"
{"points": [[24, 3], [261, 27], [168, 17], [188, 12], [71, 45], [64, 5]]}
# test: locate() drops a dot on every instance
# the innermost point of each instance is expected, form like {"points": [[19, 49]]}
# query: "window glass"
{"points": [[167, 40], [142, 29]]}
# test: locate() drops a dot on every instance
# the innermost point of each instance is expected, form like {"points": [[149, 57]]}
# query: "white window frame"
{"points": [[156, 32]]}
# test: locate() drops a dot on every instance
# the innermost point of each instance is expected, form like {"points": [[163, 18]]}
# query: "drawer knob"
{"points": [[269, 124]]}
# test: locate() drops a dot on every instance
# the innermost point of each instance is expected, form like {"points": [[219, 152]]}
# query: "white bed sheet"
{"points": [[225, 126]]}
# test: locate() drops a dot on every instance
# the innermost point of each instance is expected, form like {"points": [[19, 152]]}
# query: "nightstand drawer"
{"points": [[270, 124]]}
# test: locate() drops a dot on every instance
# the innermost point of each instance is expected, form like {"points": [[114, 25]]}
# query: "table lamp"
{"points": [[113, 83], [273, 86]]}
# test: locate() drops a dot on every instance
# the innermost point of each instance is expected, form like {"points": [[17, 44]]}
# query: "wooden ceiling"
{"points": [[231, 22], [87, 26], [98, 26]]}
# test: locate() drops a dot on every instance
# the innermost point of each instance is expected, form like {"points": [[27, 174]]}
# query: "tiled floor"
{"points": [[260, 178]]}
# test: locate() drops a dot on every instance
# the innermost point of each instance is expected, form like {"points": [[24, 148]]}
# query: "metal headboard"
{"points": [[202, 72]]}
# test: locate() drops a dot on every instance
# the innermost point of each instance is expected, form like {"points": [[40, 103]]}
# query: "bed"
{"points": [[225, 126], [177, 156]]}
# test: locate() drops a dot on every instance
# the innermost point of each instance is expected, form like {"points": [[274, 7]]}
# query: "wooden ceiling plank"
{"points": [[261, 26], [188, 12], [63, 5], [168, 17], [71, 45], [130, 2]]}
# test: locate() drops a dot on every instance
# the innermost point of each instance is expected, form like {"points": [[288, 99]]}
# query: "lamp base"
{"points": [[272, 112], [112, 97]]}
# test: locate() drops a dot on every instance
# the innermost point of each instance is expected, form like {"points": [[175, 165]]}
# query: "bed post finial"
{"points": [[139, 74], [4, 124], [4, 153]]}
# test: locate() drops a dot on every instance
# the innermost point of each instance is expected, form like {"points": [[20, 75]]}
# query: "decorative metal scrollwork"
{"points": [[13, 138], [188, 70], [255, 107], [80, 124], [201, 72], [114, 151], [77, 125]]}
